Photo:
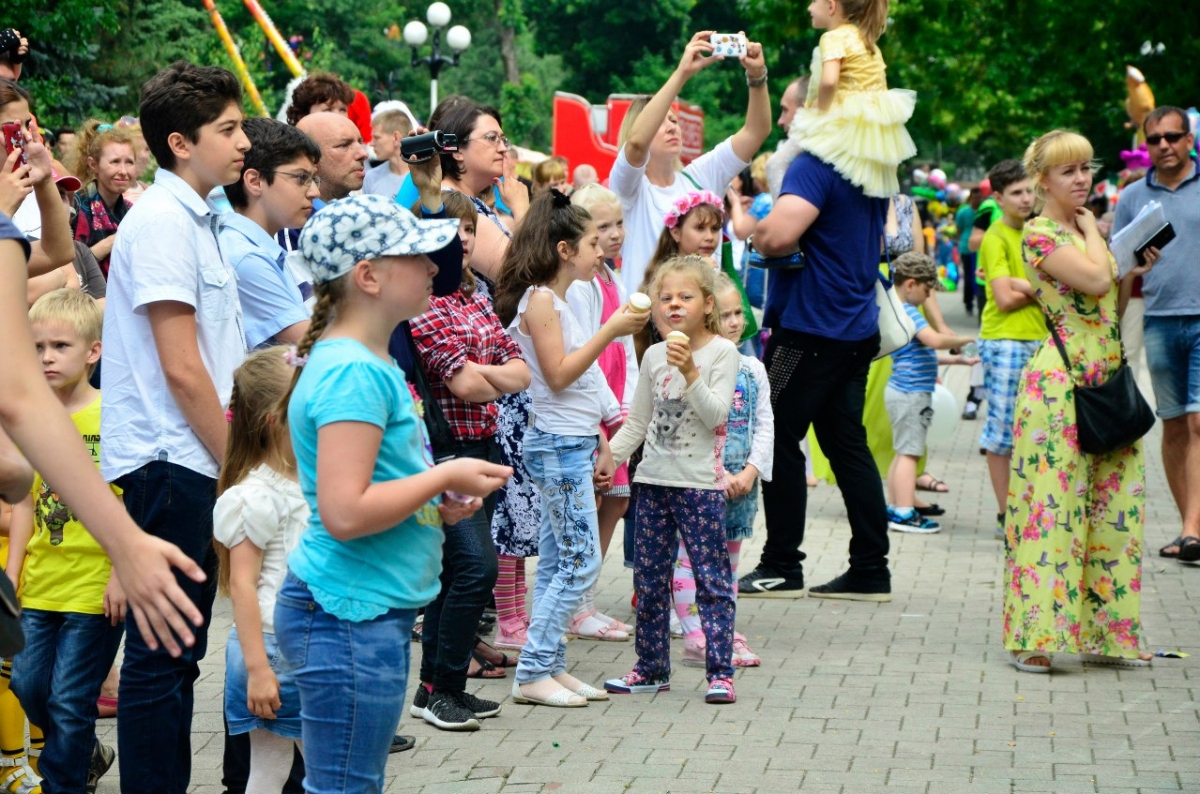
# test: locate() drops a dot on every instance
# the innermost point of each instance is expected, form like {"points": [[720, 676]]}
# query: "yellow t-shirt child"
{"points": [[65, 570]]}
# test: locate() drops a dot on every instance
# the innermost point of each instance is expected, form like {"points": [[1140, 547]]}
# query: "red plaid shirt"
{"points": [[454, 331]]}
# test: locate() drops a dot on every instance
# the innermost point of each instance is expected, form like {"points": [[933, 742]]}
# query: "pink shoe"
{"points": [[613, 623], [693, 651], [511, 636], [742, 655], [590, 627]]}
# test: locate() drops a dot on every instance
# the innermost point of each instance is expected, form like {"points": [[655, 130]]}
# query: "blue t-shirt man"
{"points": [[834, 295]]}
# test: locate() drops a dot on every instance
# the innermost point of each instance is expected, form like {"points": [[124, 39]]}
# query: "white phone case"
{"points": [[728, 45]]}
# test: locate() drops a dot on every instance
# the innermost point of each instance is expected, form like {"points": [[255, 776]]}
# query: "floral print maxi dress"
{"points": [[1073, 532]]}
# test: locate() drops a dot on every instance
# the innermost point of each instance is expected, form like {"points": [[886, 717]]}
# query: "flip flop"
{"points": [[1163, 552], [932, 484], [1021, 662], [486, 668]]}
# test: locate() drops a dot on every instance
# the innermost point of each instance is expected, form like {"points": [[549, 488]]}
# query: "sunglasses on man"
{"points": [[1170, 137]]}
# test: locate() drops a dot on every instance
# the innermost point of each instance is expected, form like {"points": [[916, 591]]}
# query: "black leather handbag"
{"points": [[1110, 416]]}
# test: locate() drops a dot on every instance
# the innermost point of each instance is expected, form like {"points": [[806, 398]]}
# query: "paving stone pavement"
{"points": [[911, 697]]}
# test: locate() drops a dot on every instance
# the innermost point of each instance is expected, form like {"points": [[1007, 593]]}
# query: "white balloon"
{"points": [[919, 176], [945, 416]]}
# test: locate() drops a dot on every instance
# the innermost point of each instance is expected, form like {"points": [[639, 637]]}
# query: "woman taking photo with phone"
{"points": [[647, 174]]}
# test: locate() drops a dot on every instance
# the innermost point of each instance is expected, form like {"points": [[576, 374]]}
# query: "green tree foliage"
{"points": [[990, 74]]}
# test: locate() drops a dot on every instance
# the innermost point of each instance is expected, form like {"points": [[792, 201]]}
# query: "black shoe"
{"points": [[971, 410], [102, 761], [446, 710], [931, 510], [848, 587], [482, 709], [765, 583], [420, 701], [402, 743]]}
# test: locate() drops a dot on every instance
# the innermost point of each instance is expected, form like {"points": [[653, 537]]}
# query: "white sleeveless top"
{"points": [[578, 409]]}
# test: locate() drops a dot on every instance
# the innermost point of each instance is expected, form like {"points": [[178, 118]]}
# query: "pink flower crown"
{"points": [[682, 206]]}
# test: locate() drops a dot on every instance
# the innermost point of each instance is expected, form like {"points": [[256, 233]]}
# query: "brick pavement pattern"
{"points": [[911, 697]]}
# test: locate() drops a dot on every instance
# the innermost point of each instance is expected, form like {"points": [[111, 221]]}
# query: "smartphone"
{"points": [[728, 45], [1161, 237], [14, 138]]}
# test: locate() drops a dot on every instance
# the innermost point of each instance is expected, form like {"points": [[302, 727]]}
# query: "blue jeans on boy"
{"points": [[568, 547], [57, 678], [352, 676], [176, 504]]}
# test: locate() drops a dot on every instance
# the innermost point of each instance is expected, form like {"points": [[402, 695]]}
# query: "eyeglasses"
{"points": [[495, 139], [1170, 137], [303, 179], [128, 121]]}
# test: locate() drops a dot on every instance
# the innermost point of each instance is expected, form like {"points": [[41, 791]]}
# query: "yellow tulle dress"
{"points": [[862, 134]]}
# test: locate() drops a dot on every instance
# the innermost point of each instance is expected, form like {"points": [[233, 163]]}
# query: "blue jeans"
{"points": [[57, 678], [176, 504], [568, 546], [352, 677], [1173, 355]]}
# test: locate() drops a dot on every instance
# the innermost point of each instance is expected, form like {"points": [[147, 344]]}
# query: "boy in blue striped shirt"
{"points": [[909, 394]]}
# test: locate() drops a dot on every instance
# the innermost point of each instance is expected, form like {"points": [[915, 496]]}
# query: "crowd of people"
{"points": [[356, 398]]}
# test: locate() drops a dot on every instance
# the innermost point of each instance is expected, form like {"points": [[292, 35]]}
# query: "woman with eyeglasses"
{"points": [[479, 167], [105, 162]]}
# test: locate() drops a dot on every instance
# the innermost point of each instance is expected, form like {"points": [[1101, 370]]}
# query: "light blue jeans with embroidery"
{"points": [[568, 546]]}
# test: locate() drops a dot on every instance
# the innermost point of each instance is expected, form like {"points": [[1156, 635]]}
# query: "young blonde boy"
{"points": [[73, 605], [909, 393]]}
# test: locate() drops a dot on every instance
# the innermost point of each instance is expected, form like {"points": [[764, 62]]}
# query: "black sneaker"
{"points": [[482, 709], [971, 410], [402, 743], [765, 583], [102, 761], [420, 701], [848, 588], [446, 710]]}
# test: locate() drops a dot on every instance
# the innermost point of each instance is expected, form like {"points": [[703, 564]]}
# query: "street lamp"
{"points": [[415, 35]]}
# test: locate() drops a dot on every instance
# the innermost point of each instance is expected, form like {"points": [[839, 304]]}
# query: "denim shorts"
{"points": [[1173, 354], [241, 720], [1003, 362]]}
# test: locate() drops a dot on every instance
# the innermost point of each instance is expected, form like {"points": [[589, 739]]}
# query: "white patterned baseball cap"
{"points": [[349, 230]]}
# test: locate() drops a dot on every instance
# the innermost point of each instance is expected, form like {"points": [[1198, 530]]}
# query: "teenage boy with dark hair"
{"points": [[276, 191], [173, 337], [1011, 327]]}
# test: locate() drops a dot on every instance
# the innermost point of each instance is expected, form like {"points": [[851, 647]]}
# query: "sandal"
{"points": [[486, 669], [931, 509], [1020, 660], [927, 482], [1189, 549], [483, 647], [1165, 551], [590, 628]]}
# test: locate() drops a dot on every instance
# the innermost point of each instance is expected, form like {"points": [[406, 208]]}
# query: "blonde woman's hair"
{"points": [[635, 109], [594, 195], [1056, 147], [329, 295], [700, 270], [73, 308], [254, 426], [90, 143]]}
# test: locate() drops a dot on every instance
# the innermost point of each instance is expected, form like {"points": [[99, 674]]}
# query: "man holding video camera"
{"points": [[1172, 320], [13, 49]]}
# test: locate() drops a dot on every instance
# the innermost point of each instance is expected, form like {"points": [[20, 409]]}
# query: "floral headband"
{"points": [[682, 206]]}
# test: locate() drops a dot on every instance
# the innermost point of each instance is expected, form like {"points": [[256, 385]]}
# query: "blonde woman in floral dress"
{"points": [[1073, 568]]}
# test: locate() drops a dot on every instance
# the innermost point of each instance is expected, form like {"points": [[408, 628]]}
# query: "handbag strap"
{"points": [[1062, 349]]}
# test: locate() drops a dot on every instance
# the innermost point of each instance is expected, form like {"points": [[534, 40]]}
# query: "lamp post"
{"points": [[415, 35]]}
